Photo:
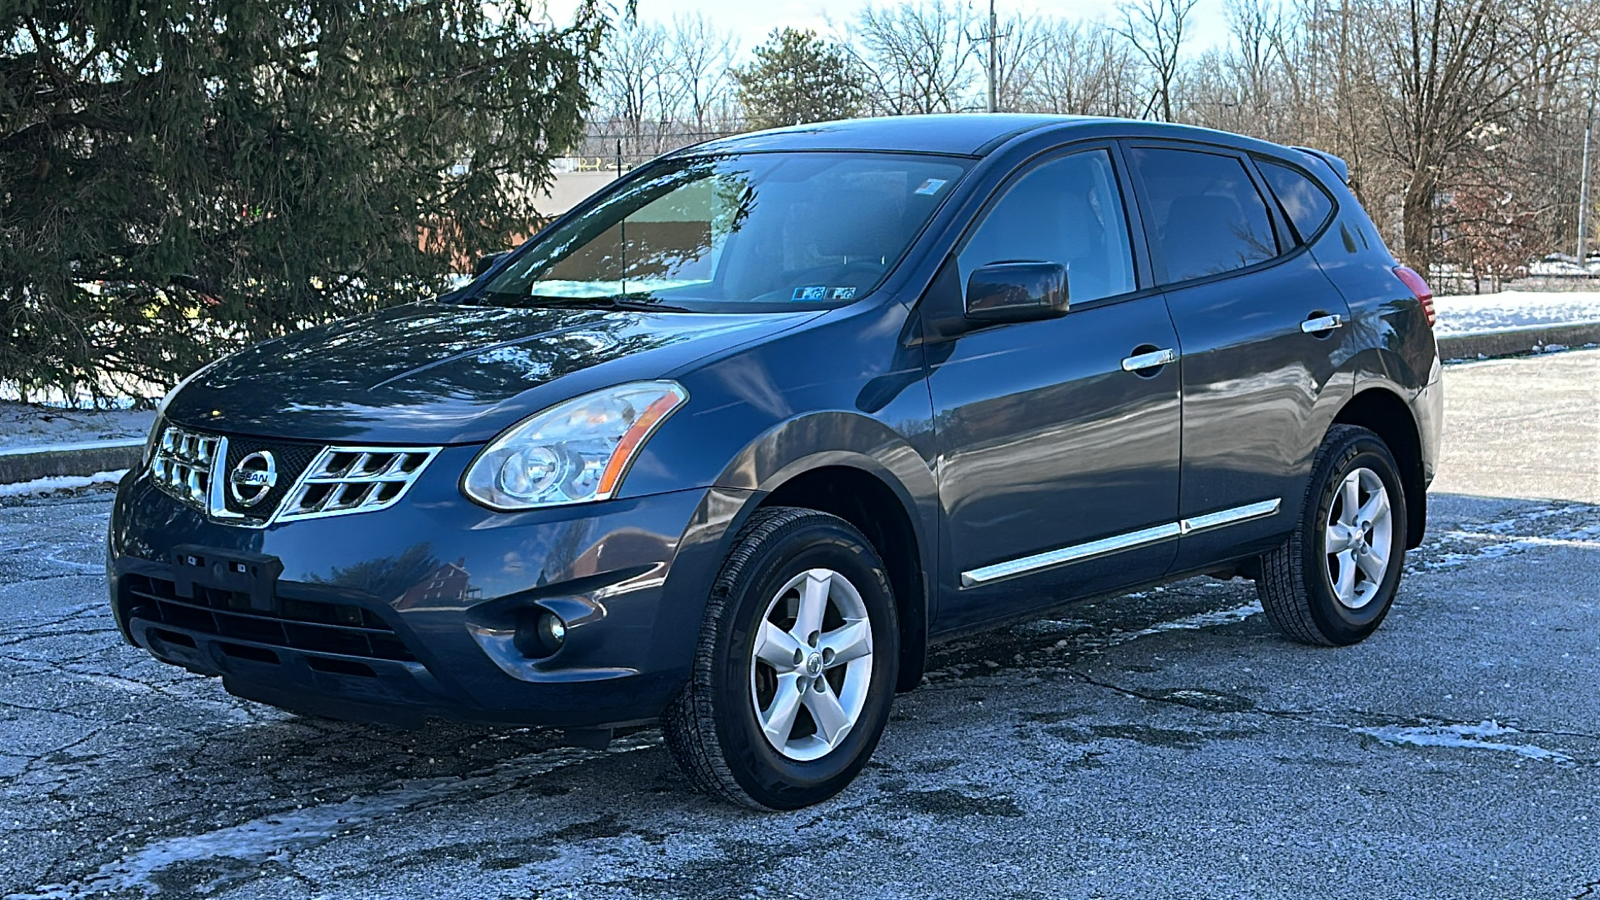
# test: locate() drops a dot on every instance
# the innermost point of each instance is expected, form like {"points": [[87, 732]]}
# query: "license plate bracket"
{"points": [[250, 574]]}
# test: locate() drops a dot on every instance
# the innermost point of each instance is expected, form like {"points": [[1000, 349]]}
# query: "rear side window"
{"points": [[1069, 211], [1208, 217], [1305, 202]]}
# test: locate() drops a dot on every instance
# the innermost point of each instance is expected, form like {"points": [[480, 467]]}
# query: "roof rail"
{"points": [[1339, 166]]}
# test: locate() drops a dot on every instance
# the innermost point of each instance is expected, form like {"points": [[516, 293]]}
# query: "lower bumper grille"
{"points": [[309, 625]]}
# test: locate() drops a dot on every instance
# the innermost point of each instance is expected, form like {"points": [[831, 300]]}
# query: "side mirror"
{"points": [[1017, 292], [485, 263]]}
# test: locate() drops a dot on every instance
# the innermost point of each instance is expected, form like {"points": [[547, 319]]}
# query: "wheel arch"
{"points": [[1385, 413], [867, 501]]}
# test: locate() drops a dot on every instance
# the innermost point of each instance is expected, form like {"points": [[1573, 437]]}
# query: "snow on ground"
{"points": [[1475, 313], [28, 425], [1471, 737], [60, 483]]}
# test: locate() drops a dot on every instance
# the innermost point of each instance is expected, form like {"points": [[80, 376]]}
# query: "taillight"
{"points": [[1419, 287]]}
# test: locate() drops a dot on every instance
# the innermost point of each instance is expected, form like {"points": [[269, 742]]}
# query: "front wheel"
{"points": [[796, 665], [1333, 581]]}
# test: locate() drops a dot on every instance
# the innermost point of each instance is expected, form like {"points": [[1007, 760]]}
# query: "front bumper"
{"points": [[411, 611]]}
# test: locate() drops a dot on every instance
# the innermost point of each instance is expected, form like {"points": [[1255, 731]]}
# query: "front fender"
{"points": [[847, 440]]}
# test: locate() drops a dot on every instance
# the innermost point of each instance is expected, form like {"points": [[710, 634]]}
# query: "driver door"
{"points": [[1057, 463]]}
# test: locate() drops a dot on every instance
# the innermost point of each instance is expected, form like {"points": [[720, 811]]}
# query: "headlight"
{"points": [[155, 435], [575, 452]]}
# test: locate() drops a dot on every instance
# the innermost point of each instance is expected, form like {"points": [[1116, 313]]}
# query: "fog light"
{"points": [[552, 631], [540, 633]]}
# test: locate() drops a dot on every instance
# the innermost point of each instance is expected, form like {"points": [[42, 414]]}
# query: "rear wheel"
{"points": [[1333, 581], [795, 669]]}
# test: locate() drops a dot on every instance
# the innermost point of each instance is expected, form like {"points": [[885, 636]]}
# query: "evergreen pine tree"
{"points": [[178, 177], [798, 77]]}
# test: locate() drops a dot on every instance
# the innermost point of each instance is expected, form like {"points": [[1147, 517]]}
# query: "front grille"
{"points": [[310, 625], [355, 479], [183, 464], [296, 481]]}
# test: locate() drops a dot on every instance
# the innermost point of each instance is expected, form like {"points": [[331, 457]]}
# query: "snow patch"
{"points": [[1192, 623], [60, 483], [1470, 737], [30, 426], [279, 836], [1476, 313], [1497, 543]]}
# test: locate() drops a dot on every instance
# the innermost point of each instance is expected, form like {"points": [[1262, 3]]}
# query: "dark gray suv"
{"points": [[728, 445]]}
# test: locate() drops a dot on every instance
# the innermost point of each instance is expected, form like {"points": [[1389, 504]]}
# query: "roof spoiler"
{"points": [[1339, 166]]}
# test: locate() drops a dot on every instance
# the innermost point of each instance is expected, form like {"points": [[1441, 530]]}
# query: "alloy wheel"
{"points": [[811, 664], [1358, 538]]}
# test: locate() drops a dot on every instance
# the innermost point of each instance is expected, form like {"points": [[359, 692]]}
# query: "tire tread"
{"points": [[689, 722], [1282, 583]]}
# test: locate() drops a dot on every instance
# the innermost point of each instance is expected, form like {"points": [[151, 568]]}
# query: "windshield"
{"points": [[760, 228]]}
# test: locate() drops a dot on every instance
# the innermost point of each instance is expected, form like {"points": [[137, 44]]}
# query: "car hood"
{"points": [[442, 374]]}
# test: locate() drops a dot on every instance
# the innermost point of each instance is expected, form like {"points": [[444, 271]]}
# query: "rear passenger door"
{"points": [[1259, 330]]}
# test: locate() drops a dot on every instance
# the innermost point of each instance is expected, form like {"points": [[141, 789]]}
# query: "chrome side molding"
{"points": [[1114, 544], [1011, 568], [1231, 516]]}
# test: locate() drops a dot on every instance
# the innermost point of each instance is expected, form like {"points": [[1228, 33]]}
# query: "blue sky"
{"points": [[751, 21]]}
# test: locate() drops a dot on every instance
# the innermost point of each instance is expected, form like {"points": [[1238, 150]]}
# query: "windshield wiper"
{"points": [[631, 302]]}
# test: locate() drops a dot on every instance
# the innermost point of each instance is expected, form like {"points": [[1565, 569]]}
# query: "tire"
{"points": [[1317, 593], [714, 726]]}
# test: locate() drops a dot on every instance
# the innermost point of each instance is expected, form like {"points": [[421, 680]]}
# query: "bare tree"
{"points": [[630, 85], [1084, 69], [700, 56], [1454, 70], [1020, 47], [1254, 59], [917, 55], [1155, 30]]}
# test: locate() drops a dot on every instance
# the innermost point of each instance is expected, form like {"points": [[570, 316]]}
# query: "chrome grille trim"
{"points": [[346, 480], [184, 465], [340, 480]]}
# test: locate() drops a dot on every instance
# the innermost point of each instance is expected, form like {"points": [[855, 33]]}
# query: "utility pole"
{"points": [[1583, 196], [994, 105], [1583, 184]]}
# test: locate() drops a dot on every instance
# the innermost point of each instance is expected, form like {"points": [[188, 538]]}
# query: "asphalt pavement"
{"points": [[1167, 743]]}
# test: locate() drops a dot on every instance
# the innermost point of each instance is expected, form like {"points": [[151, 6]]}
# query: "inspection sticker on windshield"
{"points": [[843, 293], [932, 186], [817, 292]]}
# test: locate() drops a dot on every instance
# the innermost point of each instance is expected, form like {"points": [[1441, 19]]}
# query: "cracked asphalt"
{"points": [[1163, 743]]}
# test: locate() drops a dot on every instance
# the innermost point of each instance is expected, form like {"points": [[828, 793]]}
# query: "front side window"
{"points": [[1066, 211], [758, 228], [1305, 203], [1206, 216]]}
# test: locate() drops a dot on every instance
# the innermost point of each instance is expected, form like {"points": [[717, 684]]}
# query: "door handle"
{"points": [[1149, 360], [1322, 323]]}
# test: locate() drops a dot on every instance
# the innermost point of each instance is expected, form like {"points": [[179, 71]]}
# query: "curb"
{"points": [[32, 463], [1516, 340]]}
